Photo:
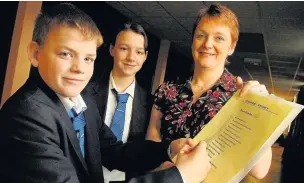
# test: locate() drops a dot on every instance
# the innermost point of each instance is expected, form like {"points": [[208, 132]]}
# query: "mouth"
{"points": [[73, 80], [129, 65], [205, 53]]}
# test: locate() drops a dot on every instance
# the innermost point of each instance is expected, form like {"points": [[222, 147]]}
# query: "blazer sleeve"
{"points": [[170, 175], [30, 147], [137, 156]]}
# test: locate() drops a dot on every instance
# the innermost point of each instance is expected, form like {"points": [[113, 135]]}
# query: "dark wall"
{"points": [[8, 10], [179, 67], [108, 19]]}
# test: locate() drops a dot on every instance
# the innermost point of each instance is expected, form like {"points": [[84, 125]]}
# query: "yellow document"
{"points": [[241, 131]]}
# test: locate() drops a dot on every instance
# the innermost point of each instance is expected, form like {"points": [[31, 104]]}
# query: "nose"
{"points": [[78, 65], [131, 56], [208, 43]]}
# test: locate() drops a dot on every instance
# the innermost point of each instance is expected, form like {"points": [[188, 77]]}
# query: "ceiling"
{"points": [[270, 31]]}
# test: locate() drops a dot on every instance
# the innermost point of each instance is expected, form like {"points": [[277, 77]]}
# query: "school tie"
{"points": [[78, 125], [118, 121]]}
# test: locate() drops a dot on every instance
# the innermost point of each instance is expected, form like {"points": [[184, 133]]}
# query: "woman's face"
{"points": [[211, 44]]}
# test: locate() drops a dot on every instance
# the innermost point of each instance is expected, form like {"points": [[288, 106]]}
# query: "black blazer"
{"points": [[141, 108], [38, 143]]}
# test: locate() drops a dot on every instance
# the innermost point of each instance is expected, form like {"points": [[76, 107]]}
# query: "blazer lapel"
{"points": [[138, 119], [93, 157], [54, 101], [101, 88]]}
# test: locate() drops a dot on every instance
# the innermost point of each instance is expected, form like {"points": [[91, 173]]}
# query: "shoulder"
{"points": [[171, 85], [25, 96], [98, 84], [29, 102], [228, 81]]}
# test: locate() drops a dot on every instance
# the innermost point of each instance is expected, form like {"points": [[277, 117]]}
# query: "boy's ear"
{"points": [[32, 50], [111, 50]]}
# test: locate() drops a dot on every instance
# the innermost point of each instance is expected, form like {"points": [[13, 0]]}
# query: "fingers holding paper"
{"points": [[194, 163], [252, 85], [185, 143]]}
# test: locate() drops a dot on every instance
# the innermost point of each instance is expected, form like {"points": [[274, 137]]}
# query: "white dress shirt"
{"points": [[77, 103], [116, 175]]}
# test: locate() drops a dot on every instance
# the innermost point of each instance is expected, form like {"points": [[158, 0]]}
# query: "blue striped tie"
{"points": [[118, 121], [78, 125]]}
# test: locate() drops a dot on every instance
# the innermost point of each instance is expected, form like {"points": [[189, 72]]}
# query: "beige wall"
{"points": [[18, 66]]}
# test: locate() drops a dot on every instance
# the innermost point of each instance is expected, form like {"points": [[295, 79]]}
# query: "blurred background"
{"points": [[270, 49]]}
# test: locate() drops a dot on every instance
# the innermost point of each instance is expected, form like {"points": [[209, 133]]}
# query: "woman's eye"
{"points": [[199, 36], [220, 38]]}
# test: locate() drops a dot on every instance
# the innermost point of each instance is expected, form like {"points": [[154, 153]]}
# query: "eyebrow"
{"points": [[71, 50], [91, 55], [125, 44], [215, 33]]}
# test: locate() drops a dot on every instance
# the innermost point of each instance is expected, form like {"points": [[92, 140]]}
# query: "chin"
{"points": [[206, 66], [73, 92], [129, 73]]}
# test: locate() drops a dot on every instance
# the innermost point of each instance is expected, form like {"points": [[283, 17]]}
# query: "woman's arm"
{"points": [[261, 169], [153, 132]]}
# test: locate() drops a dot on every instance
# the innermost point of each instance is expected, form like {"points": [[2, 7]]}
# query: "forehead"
{"points": [[69, 36], [214, 24], [130, 38]]}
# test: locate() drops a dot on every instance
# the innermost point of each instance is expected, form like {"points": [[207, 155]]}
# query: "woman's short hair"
{"points": [[220, 13]]}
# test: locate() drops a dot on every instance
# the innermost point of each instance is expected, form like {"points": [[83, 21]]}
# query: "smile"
{"points": [[129, 65], [73, 80], [210, 54]]}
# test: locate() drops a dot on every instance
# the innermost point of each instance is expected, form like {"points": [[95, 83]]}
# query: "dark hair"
{"points": [[134, 27], [65, 14], [221, 13]]}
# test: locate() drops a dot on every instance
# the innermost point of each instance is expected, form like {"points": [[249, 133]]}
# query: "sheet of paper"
{"points": [[240, 132]]}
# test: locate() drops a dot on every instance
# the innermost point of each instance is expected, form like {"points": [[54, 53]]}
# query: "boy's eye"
{"points": [[123, 48], [88, 59], [65, 55], [140, 52]]}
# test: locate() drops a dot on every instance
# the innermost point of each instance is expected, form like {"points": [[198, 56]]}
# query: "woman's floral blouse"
{"points": [[182, 118]]}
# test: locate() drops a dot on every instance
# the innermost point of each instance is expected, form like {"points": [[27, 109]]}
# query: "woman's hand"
{"points": [[250, 85]]}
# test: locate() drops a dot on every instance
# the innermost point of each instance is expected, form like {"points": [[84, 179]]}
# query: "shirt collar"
{"points": [[227, 81], [130, 90], [77, 103]]}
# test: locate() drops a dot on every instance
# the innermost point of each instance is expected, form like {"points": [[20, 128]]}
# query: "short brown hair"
{"points": [[223, 14], [68, 15], [134, 27]]}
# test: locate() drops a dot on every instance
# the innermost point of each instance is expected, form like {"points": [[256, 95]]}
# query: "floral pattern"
{"points": [[182, 118]]}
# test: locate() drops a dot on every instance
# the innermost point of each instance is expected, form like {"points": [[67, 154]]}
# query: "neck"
{"points": [[204, 78], [122, 82]]}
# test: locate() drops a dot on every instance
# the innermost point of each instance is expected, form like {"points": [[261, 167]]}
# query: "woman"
{"points": [[183, 109]]}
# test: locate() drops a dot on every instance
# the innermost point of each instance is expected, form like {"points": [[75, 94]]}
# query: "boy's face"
{"points": [[129, 53], [66, 60]]}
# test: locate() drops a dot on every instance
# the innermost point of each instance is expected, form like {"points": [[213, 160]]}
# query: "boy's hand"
{"points": [[185, 143], [194, 165]]}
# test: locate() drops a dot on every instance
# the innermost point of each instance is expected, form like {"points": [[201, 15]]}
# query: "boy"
{"points": [[129, 52], [52, 133]]}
